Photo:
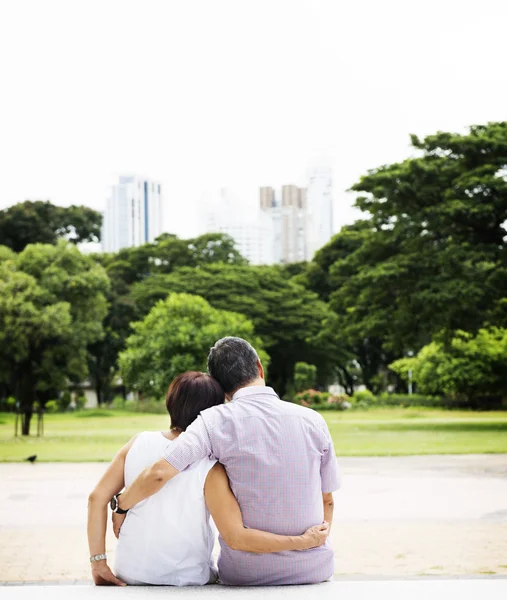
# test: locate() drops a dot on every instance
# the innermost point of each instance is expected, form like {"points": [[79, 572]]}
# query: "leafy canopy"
{"points": [[431, 259], [44, 223], [175, 336], [290, 319]]}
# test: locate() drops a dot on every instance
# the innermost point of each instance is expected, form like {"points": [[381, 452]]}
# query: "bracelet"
{"points": [[98, 557]]}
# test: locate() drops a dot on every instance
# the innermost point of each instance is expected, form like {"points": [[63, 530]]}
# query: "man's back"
{"points": [[279, 459]]}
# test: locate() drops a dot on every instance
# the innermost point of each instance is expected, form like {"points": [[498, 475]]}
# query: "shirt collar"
{"points": [[254, 390]]}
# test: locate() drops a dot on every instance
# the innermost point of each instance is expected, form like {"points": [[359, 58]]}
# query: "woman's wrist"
{"points": [[98, 557]]}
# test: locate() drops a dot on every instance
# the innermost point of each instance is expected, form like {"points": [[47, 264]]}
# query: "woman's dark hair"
{"points": [[189, 394]]}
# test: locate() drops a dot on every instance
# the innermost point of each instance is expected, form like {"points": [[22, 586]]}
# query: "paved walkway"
{"points": [[493, 589], [395, 517]]}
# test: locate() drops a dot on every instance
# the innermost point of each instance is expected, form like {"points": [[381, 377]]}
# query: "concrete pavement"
{"points": [[492, 589], [395, 517]]}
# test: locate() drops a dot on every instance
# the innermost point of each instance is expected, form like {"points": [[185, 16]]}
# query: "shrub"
{"points": [[305, 376], [80, 401], [365, 397], [8, 404], [325, 397], [64, 401], [118, 403], [309, 397], [156, 407], [51, 406], [323, 400], [339, 401], [411, 400], [469, 369]]}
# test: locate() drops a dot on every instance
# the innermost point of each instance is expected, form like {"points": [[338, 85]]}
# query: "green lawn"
{"points": [[97, 435]]}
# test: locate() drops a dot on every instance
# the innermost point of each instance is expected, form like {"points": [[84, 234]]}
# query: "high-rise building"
{"points": [[288, 215], [251, 231], [319, 224], [133, 214]]}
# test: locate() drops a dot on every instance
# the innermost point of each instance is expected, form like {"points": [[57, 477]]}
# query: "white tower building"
{"points": [[251, 230], [288, 214], [319, 227], [133, 214]]}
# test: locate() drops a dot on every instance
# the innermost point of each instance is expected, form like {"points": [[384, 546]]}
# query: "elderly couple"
{"points": [[263, 469]]}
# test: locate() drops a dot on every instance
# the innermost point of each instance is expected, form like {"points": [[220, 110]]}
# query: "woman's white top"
{"points": [[166, 539]]}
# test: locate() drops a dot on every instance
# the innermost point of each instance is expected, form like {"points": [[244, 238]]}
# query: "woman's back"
{"points": [[166, 539]]}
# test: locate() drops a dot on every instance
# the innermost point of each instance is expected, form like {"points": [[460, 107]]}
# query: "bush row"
{"points": [[365, 399]]}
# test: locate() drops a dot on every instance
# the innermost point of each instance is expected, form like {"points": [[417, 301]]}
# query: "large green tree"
{"points": [[44, 223], [437, 261], [175, 336], [290, 319], [431, 259], [52, 303]]}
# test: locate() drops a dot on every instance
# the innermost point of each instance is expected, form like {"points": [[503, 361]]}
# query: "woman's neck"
{"points": [[172, 434]]}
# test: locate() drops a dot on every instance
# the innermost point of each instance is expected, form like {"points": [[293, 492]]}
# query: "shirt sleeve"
{"points": [[191, 446], [329, 471]]}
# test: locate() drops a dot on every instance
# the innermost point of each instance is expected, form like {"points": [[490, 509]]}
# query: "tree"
{"points": [[437, 261], [305, 376], [44, 223], [288, 317], [175, 336], [103, 353], [470, 369], [358, 344], [52, 302], [431, 259]]}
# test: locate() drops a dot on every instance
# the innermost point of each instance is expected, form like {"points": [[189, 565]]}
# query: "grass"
{"points": [[96, 435], [405, 431]]}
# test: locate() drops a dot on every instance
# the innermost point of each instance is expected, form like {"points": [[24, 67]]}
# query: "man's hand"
{"points": [[102, 574], [317, 535], [117, 523]]}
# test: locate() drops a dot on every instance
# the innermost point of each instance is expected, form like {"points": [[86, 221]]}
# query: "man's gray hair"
{"points": [[233, 363]]}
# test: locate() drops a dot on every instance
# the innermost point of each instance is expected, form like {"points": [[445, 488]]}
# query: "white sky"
{"points": [[203, 94]]}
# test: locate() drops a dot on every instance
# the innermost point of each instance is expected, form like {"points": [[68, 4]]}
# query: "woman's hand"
{"points": [[102, 574], [316, 535], [117, 523]]}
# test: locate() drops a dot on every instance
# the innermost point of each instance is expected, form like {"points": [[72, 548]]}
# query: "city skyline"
{"points": [[287, 225], [192, 111]]}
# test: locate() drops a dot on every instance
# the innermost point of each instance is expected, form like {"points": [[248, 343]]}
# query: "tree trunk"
{"points": [[98, 391], [346, 380], [26, 418], [25, 397]]}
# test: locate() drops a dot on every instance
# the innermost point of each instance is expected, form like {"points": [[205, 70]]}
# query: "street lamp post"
{"points": [[410, 354]]}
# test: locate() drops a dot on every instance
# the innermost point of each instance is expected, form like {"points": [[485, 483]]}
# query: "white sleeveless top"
{"points": [[166, 539]]}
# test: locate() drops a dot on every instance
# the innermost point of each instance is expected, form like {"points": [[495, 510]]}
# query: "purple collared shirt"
{"points": [[280, 459]]}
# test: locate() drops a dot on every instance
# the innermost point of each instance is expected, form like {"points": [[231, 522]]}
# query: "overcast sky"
{"points": [[203, 94]]}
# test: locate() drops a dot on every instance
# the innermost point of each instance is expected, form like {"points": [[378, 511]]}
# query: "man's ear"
{"points": [[261, 368]]}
